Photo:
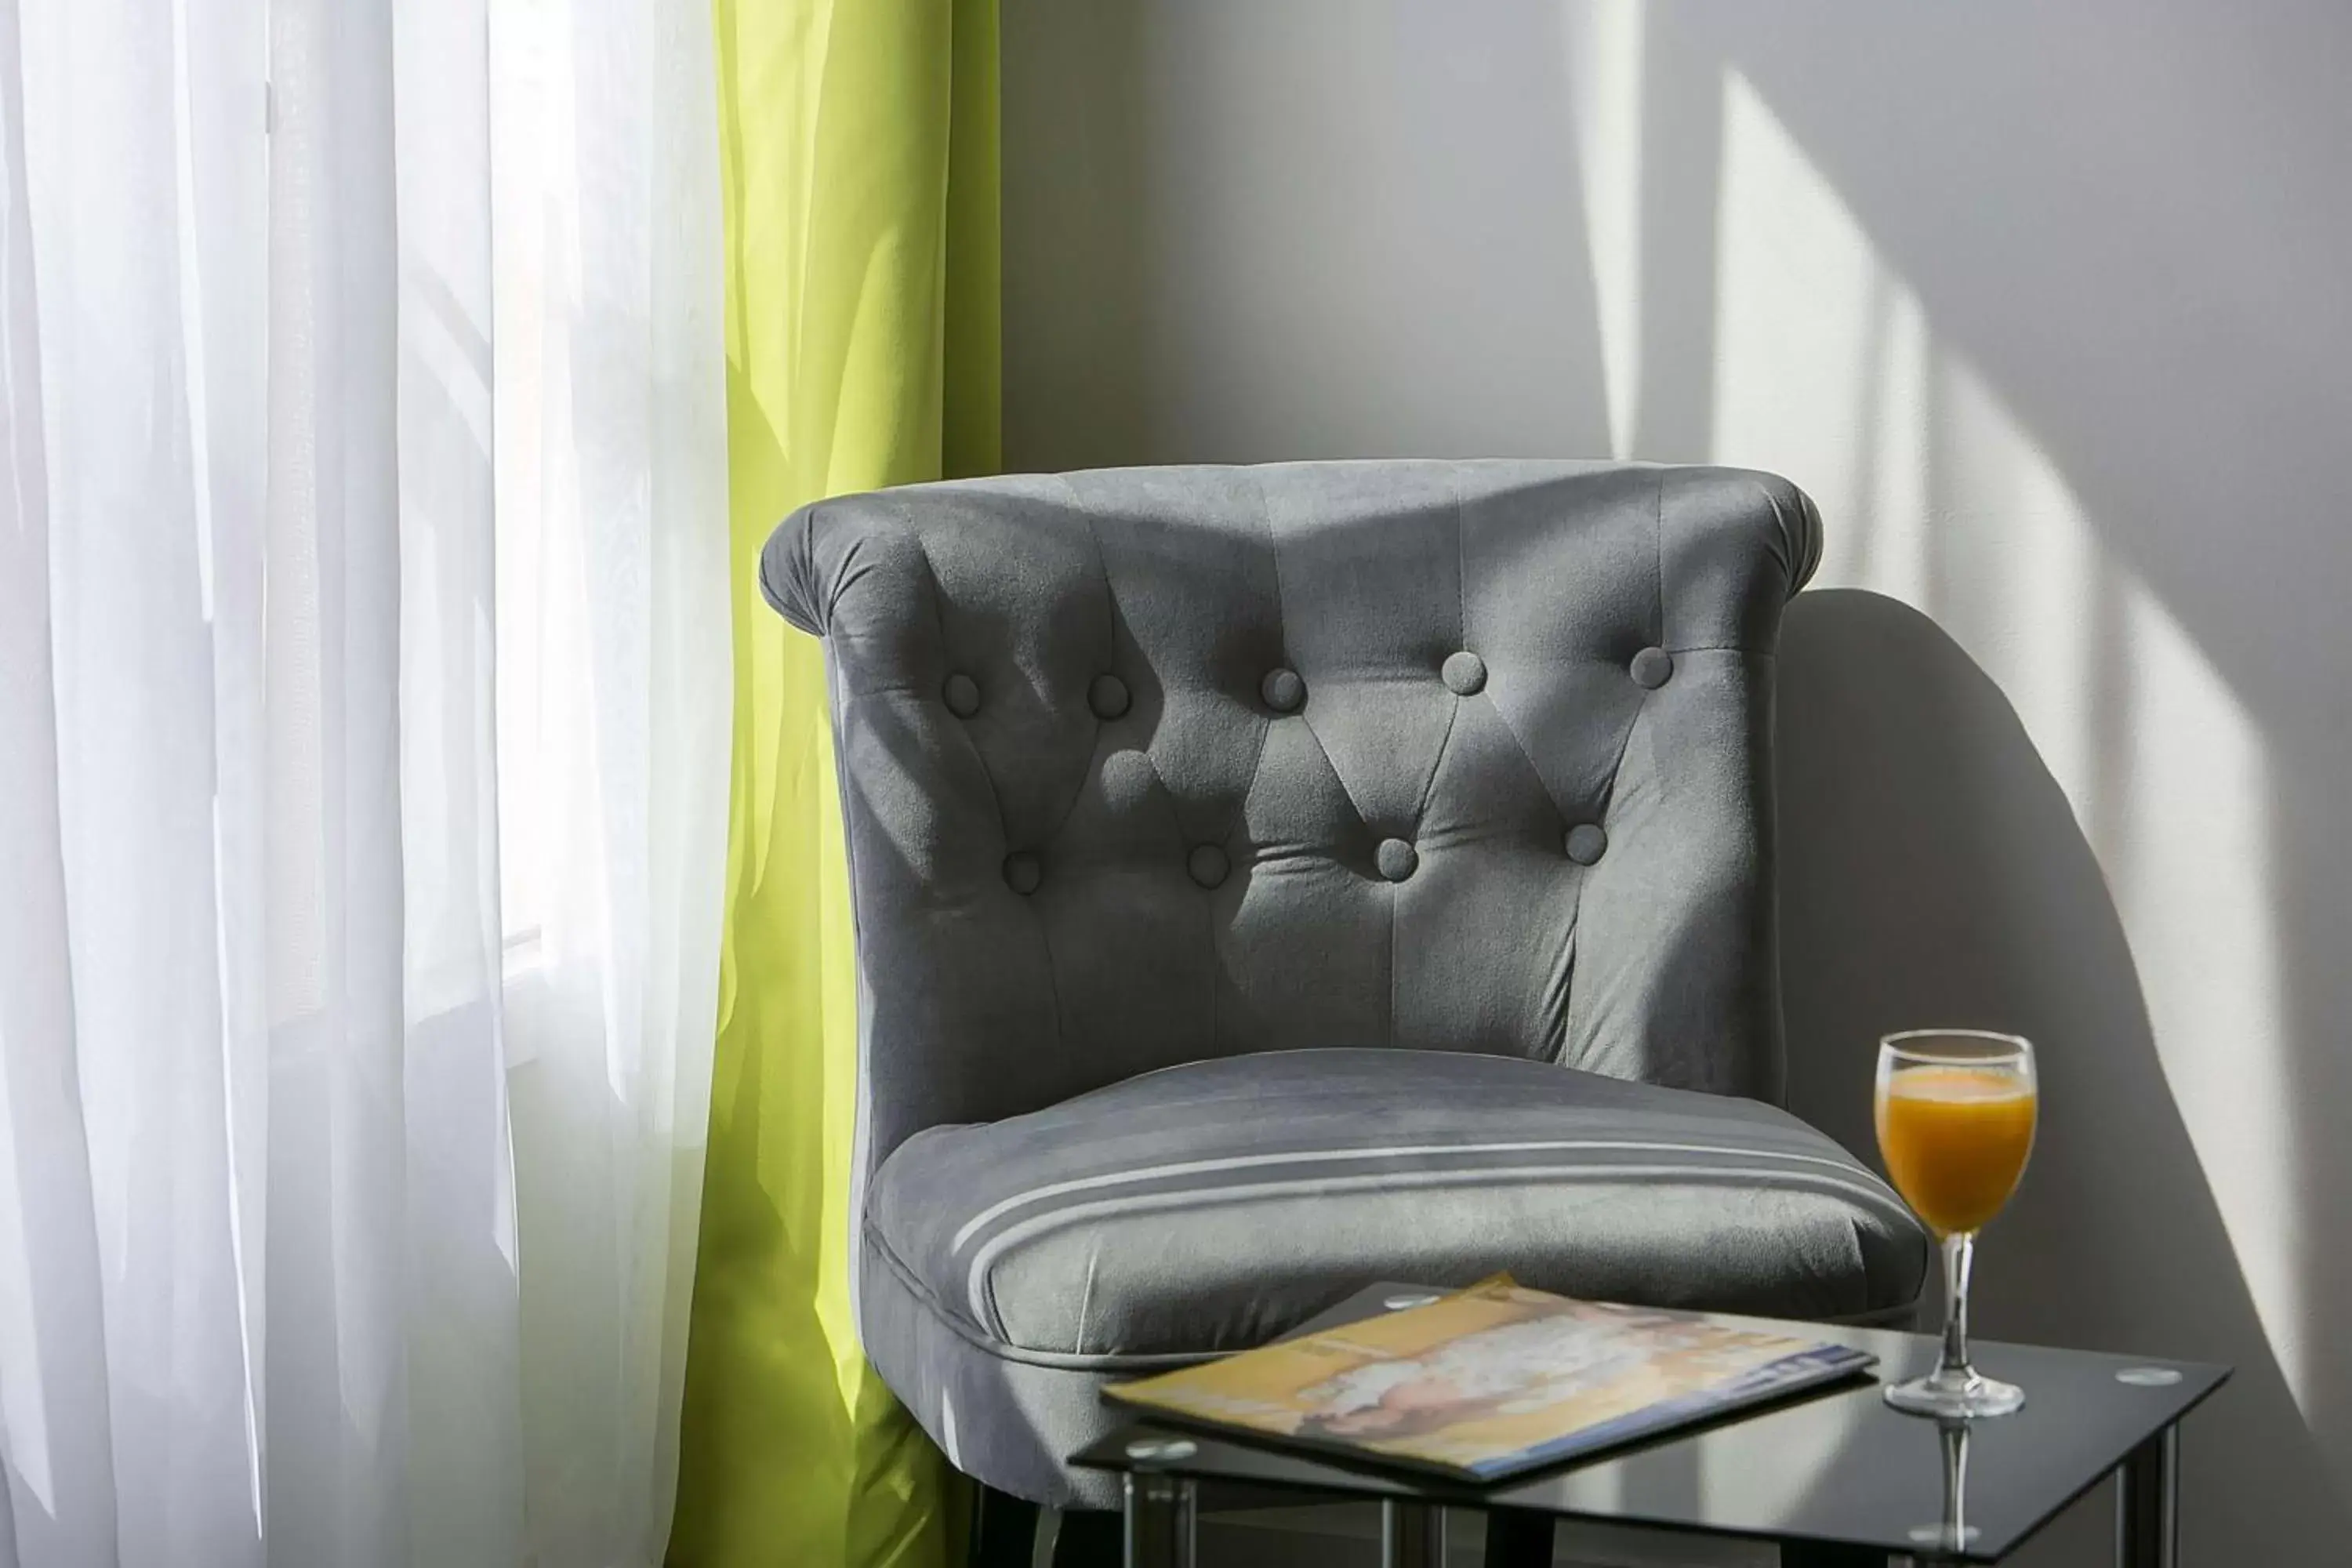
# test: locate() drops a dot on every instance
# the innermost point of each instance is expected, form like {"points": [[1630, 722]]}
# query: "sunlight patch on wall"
{"points": [[2017, 575], [1795, 340], [2194, 786], [1606, 65], [1828, 369]]}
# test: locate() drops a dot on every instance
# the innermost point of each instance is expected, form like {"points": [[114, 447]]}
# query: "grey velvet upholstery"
{"points": [[1209, 1208], [1446, 781]]}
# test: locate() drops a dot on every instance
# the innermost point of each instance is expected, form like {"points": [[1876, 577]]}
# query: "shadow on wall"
{"points": [[2131, 221], [2044, 305], [2053, 329], [1933, 874], [1240, 232]]}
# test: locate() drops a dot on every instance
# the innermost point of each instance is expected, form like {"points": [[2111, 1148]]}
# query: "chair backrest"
{"points": [[1147, 765]]}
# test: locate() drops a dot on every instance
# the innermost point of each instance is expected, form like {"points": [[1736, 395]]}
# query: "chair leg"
{"points": [[1518, 1538], [1086, 1538], [1004, 1529]]}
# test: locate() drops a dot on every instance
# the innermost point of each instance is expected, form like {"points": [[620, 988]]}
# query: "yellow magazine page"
{"points": [[1494, 1378]]}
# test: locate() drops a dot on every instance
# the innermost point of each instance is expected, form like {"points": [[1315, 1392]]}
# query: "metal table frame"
{"points": [[1163, 1519]]}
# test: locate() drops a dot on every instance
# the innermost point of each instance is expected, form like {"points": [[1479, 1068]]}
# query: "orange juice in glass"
{"points": [[1956, 1111]]}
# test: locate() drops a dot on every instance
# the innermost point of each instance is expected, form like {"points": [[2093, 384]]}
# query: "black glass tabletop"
{"points": [[1836, 1467]]}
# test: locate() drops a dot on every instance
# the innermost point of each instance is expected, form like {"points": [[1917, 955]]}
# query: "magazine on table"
{"points": [[1496, 1379]]}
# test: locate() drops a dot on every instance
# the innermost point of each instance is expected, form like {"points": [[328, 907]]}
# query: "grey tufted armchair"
{"points": [[1271, 880]]}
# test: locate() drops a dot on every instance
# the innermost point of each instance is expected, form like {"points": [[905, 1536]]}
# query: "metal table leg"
{"points": [[1413, 1535], [1004, 1529], [1160, 1516], [2148, 1517], [1518, 1538]]}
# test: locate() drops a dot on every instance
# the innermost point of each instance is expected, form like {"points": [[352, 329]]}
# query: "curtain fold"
{"points": [[614, 702], [859, 151], [364, 683]]}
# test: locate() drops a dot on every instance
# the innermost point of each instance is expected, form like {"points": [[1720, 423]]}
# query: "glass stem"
{"points": [[1955, 1481], [1959, 1252]]}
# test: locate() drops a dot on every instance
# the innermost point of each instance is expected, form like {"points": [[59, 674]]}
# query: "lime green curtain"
{"points": [[858, 150]]}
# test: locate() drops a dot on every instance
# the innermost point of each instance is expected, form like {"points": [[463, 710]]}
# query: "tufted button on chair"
{"points": [[1413, 919]]}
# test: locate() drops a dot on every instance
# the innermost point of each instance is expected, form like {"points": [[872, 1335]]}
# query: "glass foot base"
{"points": [[1949, 1537], [1963, 1395]]}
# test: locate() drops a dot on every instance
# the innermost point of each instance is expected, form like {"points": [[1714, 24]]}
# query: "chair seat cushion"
{"points": [[1208, 1207]]}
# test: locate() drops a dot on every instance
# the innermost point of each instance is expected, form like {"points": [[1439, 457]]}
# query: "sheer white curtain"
{"points": [[364, 698]]}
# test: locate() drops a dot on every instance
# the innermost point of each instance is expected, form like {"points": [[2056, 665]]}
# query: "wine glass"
{"points": [[1955, 1109], [1953, 1532]]}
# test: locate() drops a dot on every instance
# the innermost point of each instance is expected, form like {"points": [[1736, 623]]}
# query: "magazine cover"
{"points": [[1494, 1379]]}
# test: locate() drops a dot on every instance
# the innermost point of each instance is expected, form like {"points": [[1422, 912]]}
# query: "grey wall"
{"points": [[2047, 305]]}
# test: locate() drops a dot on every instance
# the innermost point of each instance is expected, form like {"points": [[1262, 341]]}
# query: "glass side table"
{"points": [[1835, 1478]]}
